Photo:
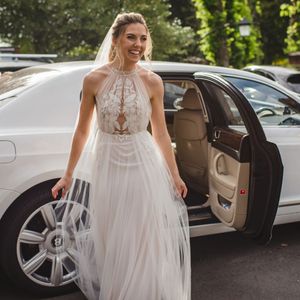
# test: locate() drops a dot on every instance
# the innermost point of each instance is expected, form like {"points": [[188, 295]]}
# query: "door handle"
{"points": [[220, 164]]}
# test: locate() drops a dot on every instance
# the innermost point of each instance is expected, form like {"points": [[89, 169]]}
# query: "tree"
{"points": [[243, 50], [272, 28], [50, 25], [212, 36], [292, 11], [76, 27], [220, 41], [184, 12], [171, 40]]}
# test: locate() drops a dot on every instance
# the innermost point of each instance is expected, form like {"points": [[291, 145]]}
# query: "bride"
{"points": [[136, 242]]}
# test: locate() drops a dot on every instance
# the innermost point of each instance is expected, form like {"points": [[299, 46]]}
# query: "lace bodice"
{"points": [[123, 105]]}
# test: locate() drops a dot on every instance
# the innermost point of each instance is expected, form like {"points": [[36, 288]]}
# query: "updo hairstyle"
{"points": [[119, 27]]}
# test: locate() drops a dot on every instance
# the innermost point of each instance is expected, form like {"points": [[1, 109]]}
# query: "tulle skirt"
{"points": [[132, 241]]}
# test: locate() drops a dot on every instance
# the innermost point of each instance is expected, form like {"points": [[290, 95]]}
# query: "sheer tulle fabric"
{"points": [[126, 229]]}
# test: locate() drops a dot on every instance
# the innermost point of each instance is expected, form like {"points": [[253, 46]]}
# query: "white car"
{"points": [[232, 133]]}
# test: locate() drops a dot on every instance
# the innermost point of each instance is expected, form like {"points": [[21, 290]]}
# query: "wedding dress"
{"points": [[133, 241]]}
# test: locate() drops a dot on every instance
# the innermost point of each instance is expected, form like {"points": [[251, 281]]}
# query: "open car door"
{"points": [[245, 170]]}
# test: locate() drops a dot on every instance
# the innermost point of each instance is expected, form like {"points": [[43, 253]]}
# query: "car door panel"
{"points": [[229, 176], [229, 183], [245, 170]]}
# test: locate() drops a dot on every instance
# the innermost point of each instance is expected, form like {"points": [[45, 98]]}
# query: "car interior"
{"points": [[209, 188], [187, 129]]}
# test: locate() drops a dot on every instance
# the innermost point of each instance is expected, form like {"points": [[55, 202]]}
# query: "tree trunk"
{"points": [[222, 56]]}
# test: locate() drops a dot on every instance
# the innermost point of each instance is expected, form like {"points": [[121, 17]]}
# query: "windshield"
{"points": [[12, 84]]}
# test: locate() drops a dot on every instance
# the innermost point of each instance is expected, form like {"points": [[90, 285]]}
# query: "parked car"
{"points": [[232, 132], [287, 77], [11, 62]]}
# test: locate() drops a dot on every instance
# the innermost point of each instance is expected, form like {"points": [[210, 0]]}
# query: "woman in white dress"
{"points": [[131, 240]]}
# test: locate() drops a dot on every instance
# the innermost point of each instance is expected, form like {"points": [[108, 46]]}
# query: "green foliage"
{"points": [[75, 28], [170, 40], [266, 16], [183, 12], [181, 29], [292, 11], [82, 52], [243, 50], [212, 30], [51, 26], [220, 41]]}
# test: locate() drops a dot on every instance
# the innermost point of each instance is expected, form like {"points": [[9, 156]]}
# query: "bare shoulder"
{"points": [[152, 81], [150, 77], [93, 80]]}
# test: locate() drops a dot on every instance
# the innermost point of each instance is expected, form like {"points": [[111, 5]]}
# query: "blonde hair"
{"points": [[119, 26]]}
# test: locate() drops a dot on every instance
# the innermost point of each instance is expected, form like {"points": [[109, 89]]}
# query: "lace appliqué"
{"points": [[122, 110]]}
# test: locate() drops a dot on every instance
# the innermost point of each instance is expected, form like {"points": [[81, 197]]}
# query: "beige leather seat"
{"points": [[191, 142]]}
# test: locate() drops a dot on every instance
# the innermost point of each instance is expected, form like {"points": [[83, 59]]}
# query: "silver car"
{"points": [[288, 77]]}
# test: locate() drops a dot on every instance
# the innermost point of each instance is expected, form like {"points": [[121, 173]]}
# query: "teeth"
{"points": [[135, 52]]}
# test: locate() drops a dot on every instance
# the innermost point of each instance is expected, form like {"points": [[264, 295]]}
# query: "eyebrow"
{"points": [[130, 33]]}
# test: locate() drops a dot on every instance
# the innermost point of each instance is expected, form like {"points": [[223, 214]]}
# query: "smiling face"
{"points": [[132, 44]]}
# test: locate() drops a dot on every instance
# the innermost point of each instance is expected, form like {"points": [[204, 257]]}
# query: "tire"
{"points": [[15, 253]]}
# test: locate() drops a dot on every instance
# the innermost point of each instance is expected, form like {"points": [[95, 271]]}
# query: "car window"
{"points": [[269, 76], [294, 82], [14, 83], [259, 72], [230, 113], [272, 107], [174, 91]]}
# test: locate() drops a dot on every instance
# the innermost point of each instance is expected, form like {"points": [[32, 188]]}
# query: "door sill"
{"points": [[199, 215]]}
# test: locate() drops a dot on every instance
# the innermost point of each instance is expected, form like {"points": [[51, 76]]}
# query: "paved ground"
{"points": [[230, 267]]}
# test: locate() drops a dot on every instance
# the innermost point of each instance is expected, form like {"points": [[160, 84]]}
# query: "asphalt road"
{"points": [[230, 267]]}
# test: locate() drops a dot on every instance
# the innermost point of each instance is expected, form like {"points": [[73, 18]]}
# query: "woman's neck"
{"points": [[125, 67]]}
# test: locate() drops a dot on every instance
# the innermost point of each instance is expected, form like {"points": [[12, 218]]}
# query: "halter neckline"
{"points": [[124, 73]]}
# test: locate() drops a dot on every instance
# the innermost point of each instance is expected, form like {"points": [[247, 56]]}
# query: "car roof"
{"points": [[165, 68], [273, 69], [160, 67]]}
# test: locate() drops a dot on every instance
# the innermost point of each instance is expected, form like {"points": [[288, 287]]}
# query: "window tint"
{"points": [[294, 79], [271, 106], [229, 114], [294, 82], [259, 72], [269, 76], [174, 91]]}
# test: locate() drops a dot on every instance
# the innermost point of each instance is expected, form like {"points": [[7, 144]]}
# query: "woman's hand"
{"points": [[63, 184], [180, 186]]}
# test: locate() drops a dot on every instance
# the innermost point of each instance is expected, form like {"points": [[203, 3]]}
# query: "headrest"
{"points": [[191, 100]]}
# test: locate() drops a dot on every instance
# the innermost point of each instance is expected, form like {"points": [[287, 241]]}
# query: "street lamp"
{"points": [[244, 27]]}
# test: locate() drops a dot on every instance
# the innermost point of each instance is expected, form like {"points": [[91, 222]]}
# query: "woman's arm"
{"points": [[80, 135], [160, 132]]}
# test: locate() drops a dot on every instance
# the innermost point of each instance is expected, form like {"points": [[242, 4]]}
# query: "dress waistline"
{"points": [[122, 136]]}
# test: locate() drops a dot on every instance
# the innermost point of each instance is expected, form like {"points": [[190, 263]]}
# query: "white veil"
{"points": [[72, 213], [102, 56]]}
